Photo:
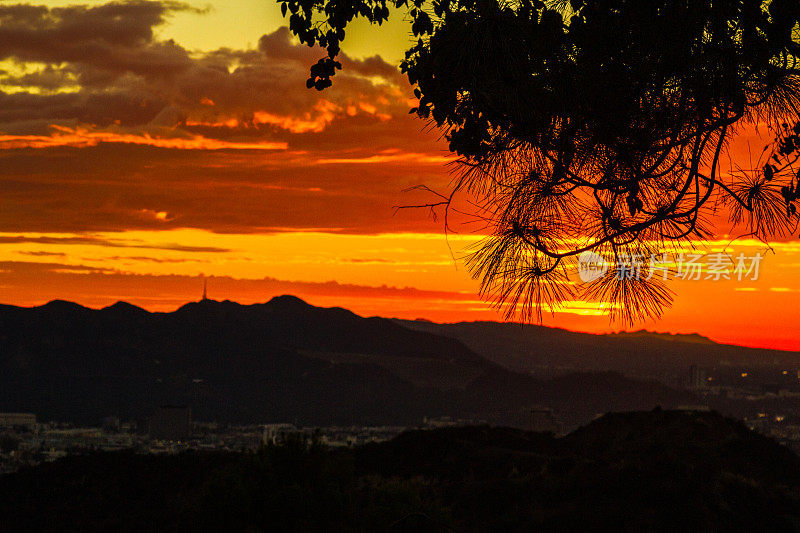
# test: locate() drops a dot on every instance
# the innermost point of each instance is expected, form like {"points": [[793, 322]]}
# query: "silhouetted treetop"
{"points": [[595, 126]]}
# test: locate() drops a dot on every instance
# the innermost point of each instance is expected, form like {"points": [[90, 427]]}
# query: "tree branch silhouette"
{"points": [[594, 126]]}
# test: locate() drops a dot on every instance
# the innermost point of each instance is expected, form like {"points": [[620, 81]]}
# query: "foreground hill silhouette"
{"points": [[283, 360], [654, 471]]}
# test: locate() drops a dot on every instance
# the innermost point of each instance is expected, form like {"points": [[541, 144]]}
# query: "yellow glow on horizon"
{"points": [[397, 259], [408, 275]]}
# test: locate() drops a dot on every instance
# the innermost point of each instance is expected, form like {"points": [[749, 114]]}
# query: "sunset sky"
{"points": [[144, 145]]}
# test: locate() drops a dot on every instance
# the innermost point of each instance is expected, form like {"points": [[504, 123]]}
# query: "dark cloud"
{"points": [[113, 70], [31, 269], [114, 187], [93, 138], [44, 254], [95, 241], [109, 36]]}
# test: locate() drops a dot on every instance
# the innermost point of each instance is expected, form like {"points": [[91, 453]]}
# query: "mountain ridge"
{"points": [[693, 337], [533, 348], [291, 300], [277, 361]]}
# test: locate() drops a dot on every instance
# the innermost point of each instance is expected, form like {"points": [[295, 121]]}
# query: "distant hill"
{"points": [[539, 349], [283, 360], [678, 337], [636, 471]]}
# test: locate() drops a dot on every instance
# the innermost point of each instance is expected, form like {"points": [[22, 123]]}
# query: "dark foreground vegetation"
{"points": [[661, 470]]}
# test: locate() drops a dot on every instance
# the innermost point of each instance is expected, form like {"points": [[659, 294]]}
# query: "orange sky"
{"points": [[142, 146]]}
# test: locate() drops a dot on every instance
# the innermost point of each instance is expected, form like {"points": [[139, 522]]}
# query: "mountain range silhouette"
{"points": [[288, 361]]}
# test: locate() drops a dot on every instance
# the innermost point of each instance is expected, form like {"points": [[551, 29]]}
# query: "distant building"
{"points": [[142, 426], [449, 422], [18, 421], [439, 422], [171, 422], [275, 433], [697, 378], [110, 424], [698, 408], [541, 420]]}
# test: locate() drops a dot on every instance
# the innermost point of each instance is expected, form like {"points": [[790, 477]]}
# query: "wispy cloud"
{"points": [[97, 241]]}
